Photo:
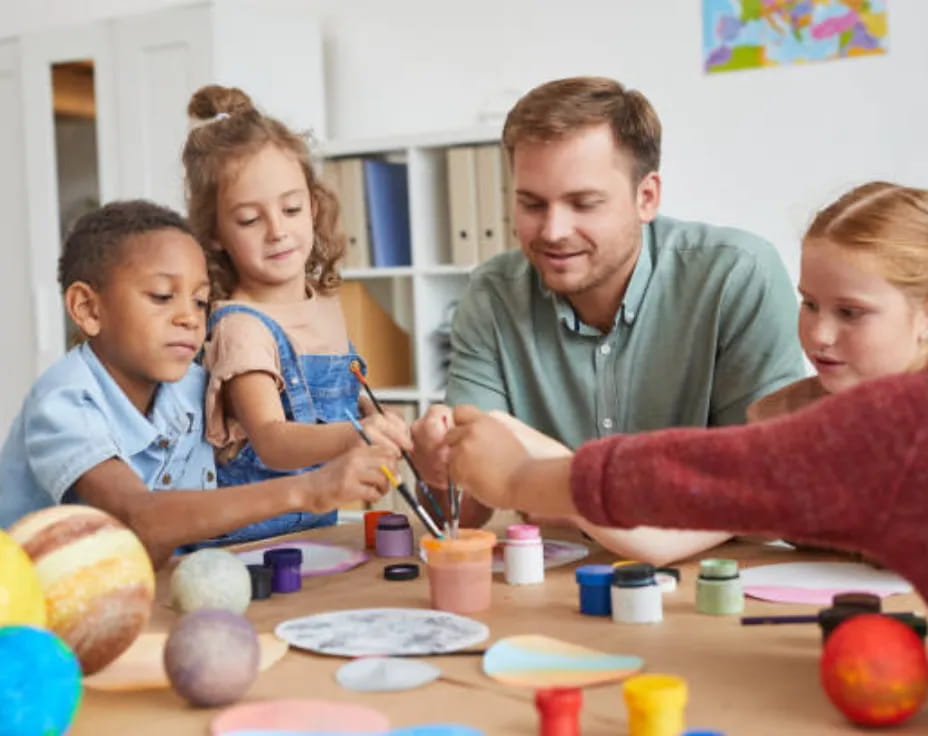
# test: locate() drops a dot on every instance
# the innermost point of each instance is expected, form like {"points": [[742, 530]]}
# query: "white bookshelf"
{"points": [[418, 296]]}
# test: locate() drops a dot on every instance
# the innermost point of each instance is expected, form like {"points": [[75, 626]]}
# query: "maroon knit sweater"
{"points": [[849, 471]]}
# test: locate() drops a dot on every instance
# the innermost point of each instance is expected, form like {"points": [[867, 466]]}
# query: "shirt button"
{"points": [[294, 381], [166, 479], [210, 476], [163, 444], [605, 349], [607, 423]]}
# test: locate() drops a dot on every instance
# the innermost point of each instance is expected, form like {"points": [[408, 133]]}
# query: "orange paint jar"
{"points": [[460, 570]]}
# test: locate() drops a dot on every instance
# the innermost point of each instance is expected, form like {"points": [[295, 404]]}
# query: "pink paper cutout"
{"points": [[812, 596], [299, 715]]}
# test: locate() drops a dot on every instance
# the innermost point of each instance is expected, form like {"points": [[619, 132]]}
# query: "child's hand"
{"points": [[386, 430], [355, 475], [486, 456]]}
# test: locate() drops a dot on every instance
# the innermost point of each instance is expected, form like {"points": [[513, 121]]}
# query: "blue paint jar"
{"points": [[595, 595]]}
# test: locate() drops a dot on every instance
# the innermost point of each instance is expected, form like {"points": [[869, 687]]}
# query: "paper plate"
{"points": [[815, 583], [141, 666], [556, 553], [540, 662], [318, 559], [295, 715], [382, 631]]}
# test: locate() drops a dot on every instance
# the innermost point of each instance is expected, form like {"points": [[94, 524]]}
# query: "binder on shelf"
{"points": [[383, 344], [462, 204], [509, 205], [491, 234], [354, 212], [387, 196]]}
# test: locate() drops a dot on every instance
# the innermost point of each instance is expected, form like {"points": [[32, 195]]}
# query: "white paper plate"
{"points": [[382, 631], [318, 559]]}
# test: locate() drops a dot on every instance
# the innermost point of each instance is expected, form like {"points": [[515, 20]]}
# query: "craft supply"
{"points": [[667, 579], [355, 367], [556, 553], [401, 488], [863, 601], [595, 583], [636, 597], [758, 620], [815, 583], [141, 666], [405, 571], [559, 711], [454, 499], [655, 704], [297, 716], [385, 674], [211, 657], [210, 578], [96, 576], [40, 682], [383, 632], [370, 526], [262, 577], [286, 562], [874, 670], [537, 661], [21, 597], [830, 618], [718, 588], [394, 536], [318, 558], [523, 556], [460, 576]]}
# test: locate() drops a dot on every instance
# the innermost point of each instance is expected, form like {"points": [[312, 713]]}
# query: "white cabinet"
{"points": [[421, 295]]}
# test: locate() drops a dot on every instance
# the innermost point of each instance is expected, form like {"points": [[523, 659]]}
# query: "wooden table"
{"points": [[748, 681]]}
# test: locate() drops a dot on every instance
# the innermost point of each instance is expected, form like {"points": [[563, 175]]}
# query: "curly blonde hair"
{"points": [[887, 220], [227, 128]]}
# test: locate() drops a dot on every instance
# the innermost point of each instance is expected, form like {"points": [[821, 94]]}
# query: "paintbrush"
{"points": [[454, 501], [427, 520], [355, 368]]}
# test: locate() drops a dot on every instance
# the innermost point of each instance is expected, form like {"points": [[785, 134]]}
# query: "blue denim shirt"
{"points": [[317, 389], [76, 416]]}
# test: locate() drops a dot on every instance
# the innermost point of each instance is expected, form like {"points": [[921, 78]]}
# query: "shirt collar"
{"points": [[634, 294], [135, 432]]}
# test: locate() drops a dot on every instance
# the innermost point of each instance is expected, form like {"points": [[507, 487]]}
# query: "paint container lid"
{"points": [[402, 571], [863, 601], [718, 569], [637, 575], [596, 575], [283, 556], [654, 692], [393, 521], [261, 577], [522, 531]]}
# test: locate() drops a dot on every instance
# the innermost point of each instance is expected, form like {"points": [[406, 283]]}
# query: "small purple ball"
{"points": [[211, 657]]}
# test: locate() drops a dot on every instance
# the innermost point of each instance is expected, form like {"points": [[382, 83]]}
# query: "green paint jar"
{"points": [[718, 588]]}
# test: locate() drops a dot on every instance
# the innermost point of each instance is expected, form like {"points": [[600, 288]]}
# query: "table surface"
{"points": [[752, 680]]}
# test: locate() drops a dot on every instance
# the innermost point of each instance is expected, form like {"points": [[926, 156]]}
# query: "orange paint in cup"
{"points": [[460, 571]]}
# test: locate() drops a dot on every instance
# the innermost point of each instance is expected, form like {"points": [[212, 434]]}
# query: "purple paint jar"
{"points": [[394, 536], [286, 563]]}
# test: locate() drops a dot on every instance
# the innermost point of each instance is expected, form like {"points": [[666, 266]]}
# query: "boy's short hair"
{"points": [[96, 241]]}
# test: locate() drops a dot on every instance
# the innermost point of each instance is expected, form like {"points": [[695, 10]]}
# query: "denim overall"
{"points": [[317, 389]]}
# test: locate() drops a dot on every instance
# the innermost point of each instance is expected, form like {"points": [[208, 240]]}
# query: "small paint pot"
{"points": [[718, 588], [559, 709], [636, 596], [523, 555], [262, 581], [394, 536], [595, 583], [460, 570], [862, 601], [402, 571], [655, 704], [370, 526], [286, 563]]}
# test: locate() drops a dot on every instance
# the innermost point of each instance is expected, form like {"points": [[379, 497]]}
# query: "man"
{"points": [[612, 318]]}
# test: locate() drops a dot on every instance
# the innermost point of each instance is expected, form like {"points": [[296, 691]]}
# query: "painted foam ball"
{"points": [[97, 579], [40, 682], [874, 670], [21, 598], [211, 578], [211, 657]]}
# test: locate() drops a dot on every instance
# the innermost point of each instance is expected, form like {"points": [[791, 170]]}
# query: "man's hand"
{"points": [[430, 450]]}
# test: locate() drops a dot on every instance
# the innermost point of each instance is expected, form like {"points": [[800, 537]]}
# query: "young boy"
{"points": [[121, 414]]}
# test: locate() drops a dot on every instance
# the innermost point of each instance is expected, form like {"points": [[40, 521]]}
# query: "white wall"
{"points": [[758, 149]]}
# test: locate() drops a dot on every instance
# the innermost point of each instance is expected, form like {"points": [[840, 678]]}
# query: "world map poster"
{"points": [[748, 34]]}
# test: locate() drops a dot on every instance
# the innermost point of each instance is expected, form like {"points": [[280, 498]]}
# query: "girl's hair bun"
{"points": [[208, 102]]}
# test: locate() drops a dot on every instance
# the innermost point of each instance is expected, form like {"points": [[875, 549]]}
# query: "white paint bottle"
{"points": [[636, 596], [523, 555]]}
